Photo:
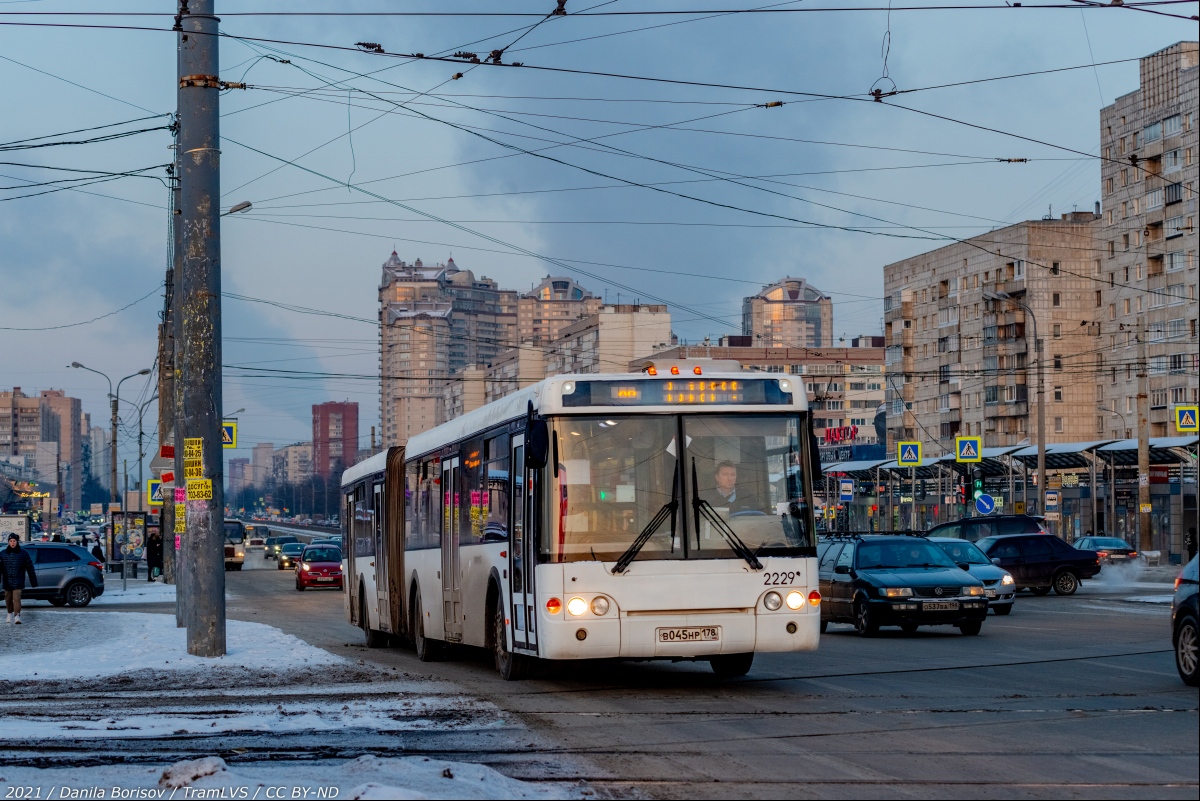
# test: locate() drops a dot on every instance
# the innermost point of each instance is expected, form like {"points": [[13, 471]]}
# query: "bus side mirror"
{"points": [[537, 441]]}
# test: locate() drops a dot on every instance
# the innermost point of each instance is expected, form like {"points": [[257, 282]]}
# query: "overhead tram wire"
{"points": [[86, 130], [83, 322]]}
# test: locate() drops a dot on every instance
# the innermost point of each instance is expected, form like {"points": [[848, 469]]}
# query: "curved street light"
{"points": [[115, 400]]}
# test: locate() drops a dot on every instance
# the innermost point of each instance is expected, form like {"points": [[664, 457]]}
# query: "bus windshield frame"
{"points": [[616, 476]]}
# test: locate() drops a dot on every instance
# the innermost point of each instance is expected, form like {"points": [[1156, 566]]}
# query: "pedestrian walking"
{"points": [[1189, 542], [15, 564], [154, 554], [97, 551]]}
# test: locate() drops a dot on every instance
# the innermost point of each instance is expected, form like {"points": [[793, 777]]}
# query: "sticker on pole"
{"points": [[1146, 508], [908, 454], [229, 434], [968, 449], [193, 448], [180, 494], [1187, 419], [847, 489], [193, 468], [154, 492], [180, 520], [200, 489], [985, 504]]}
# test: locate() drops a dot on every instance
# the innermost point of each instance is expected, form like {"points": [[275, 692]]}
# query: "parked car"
{"points": [[1185, 622], [973, 529], [1039, 563], [906, 581], [275, 543], [1111, 550], [319, 566], [288, 554], [999, 586], [66, 574]]}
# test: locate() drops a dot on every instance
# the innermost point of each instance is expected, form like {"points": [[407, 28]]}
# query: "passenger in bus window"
{"points": [[727, 493]]}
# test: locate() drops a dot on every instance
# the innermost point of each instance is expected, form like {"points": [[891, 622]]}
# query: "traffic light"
{"points": [[977, 488]]}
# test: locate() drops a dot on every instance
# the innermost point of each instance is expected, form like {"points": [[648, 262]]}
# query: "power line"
{"points": [[84, 322]]}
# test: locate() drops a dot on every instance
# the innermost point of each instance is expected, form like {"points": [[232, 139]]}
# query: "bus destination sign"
{"points": [[677, 392]]}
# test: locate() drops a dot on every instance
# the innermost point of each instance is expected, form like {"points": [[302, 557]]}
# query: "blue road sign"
{"points": [[228, 434], [908, 454], [1187, 419], [968, 449], [985, 504], [847, 489]]}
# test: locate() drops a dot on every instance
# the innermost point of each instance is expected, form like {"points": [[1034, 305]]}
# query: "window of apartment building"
{"points": [[1158, 365], [1058, 425], [1129, 372], [1099, 393], [1056, 299], [1055, 269], [1121, 148], [1112, 375], [1099, 299], [1058, 394], [1172, 161], [1112, 311], [1128, 404], [1125, 304], [1110, 216], [1175, 329], [1158, 399], [1158, 332], [1125, 178], [1175, 261], [1108, 190], [1174, 227], [1057, 331], [1099, 425], [1154, 199], [1125, 241], [1138, 304], [1171, 126], [1179, 395], [1112, 251], [1058, 362], [1175, 294]]}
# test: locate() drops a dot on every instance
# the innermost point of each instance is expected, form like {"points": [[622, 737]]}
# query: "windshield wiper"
{"points": [[703, 507], [668, 510]]}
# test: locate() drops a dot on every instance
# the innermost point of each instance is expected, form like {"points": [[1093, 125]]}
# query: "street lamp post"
{"points": [[1041, 399], [115, 401], [141, 453], [1112, 474]]}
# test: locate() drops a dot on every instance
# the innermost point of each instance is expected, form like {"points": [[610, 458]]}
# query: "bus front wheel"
{"points": [[730, 666], [510, 666]]}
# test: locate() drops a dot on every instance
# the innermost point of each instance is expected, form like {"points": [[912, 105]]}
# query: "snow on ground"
{"points": [[367, 777], [136, 592], [65, 645], [1150, 599]]}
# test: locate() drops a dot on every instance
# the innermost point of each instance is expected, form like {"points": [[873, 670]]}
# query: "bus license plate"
{"points": [[690, 634], [940, 606]]}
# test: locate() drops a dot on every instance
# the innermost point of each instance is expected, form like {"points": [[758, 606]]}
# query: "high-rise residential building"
{"points": [[28, 425], [101, 457], [551, 306], [335, 437], [23, 424], [1145, 270], [960, 359], [293, 463], [606, 341], [262, 464], [236, 471], [67, 414], [791, 313], [516, 368]]}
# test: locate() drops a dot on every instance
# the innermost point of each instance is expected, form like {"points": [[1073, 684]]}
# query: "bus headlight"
{"points": [[772, 601], [795, 600], [599, 606], [577, 606]]}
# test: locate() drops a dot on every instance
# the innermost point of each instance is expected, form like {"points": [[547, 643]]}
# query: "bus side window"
{"points": [[412, 505], [496, 472], [518, 517], [431, 494]]}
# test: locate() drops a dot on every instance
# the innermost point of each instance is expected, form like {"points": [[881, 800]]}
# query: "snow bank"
{"points": [[63, 645], [137, 592], [367, 777]]}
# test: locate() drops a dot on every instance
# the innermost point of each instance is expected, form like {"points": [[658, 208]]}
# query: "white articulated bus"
{"points": [[660, 515]]}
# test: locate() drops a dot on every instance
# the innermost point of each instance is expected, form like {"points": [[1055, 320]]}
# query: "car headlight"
{"points": [[1007, 580], [795, 600], [599, 606], [577, 606], [972, 590], [772, 600], [305, 567], [895, 592]]}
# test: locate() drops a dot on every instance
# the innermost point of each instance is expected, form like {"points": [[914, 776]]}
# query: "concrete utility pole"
{"points": [[182, 566], [1145, 542], [199, 306], [166, 389]]}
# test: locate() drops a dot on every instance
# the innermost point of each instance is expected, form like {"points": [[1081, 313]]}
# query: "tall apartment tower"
{"points": [[262, 464], [791, 313], [335, 437], [960, 362], [551, 306], [28, 424], [1146, 247]]}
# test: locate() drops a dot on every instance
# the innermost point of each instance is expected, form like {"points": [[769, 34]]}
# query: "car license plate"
{"points": [[690, 634], [990, 593], [940, 606], [325, 578]]}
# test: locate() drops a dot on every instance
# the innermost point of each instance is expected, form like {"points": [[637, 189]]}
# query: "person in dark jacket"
{"points": [[97, 551], [15, 564], [154, 554]]}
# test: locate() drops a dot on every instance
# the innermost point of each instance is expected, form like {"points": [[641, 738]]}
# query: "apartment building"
{"points": [[293, 463], [514, 369], [335, 437], [607, 340], [45, 429], [960, 355], [551, 306], [789, 313], [262, 464], [1145, 269]]}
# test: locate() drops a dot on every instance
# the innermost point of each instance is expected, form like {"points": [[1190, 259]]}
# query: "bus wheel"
{"points": [[374, 639], [427, 650], [730, 666], [510, 666]]}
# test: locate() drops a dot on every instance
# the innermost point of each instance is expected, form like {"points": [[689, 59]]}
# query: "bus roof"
{"points": [[515, 406]]}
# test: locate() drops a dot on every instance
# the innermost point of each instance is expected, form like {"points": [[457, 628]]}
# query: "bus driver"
{"points": [[727, 494]]}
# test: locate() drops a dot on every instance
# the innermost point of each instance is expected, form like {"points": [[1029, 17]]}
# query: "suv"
{"points": [[66, 574], [275, 544], [1185, 619], [904, 581], [1038, 562], [973, 529]]}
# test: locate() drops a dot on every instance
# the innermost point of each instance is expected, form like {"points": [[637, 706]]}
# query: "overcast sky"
{"points": [[310, 241]]}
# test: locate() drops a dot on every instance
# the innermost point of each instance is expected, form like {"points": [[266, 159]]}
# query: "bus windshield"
{"points": [[738, 479], [234, 531]]}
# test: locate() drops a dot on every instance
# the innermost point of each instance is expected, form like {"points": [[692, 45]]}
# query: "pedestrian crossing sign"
{"points": [[229, 434], [968, 449], [1187, 419], [908, 454], [154, 492]]}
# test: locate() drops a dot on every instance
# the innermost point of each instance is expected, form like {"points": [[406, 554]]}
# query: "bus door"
{"points": [[381, 561], [521, 558], [452, 614]]}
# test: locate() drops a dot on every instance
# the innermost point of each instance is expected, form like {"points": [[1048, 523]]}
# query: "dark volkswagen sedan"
{"points": [[1111, 550], [872, 581], [1038, 562]]}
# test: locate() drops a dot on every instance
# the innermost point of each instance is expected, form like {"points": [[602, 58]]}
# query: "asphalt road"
{"points": [[1073, 696]]}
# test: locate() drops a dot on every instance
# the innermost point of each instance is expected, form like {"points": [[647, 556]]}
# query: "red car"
{"points": [[319, 566]]}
